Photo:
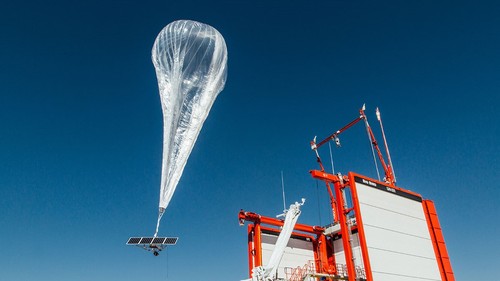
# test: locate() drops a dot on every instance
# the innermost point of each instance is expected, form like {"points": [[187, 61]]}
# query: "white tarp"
{"points": [[267, 272], [190, 59]]}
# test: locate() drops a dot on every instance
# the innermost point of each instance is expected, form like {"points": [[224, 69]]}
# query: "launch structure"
{"points": [[379, 232]]}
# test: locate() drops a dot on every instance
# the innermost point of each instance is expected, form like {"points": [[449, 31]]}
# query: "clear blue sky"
{"points": [[82, 128]]}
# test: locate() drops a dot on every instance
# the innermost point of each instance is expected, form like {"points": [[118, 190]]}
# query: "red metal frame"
{"points": [[345, 231], [438, 241], [323, 248], [258, 219], [432, 222], [324, 262], [254, 246], [251, 248], [359, 223], [348, 182]]}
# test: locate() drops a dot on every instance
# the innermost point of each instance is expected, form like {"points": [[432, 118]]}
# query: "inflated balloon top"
{"points": [[190, 59]]}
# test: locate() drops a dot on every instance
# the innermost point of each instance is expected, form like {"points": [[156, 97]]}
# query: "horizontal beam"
{"points": [[324, 176], [256, 218]]}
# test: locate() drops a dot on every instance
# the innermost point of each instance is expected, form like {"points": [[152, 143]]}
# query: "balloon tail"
{"points": [[160, 214]]}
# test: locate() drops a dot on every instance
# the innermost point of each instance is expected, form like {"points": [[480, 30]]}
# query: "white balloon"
{"points": [[190, 59]]}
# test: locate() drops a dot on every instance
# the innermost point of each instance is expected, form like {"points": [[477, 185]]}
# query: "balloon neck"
{"points": [[160, 214]]}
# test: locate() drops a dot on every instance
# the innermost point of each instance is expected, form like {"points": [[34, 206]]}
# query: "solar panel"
{"points": [[151, 240], [170, 240], [158, 240], [146, 240], [133, 240]]}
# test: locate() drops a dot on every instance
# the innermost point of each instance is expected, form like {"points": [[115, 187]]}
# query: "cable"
{"points": [[167, 264], [317, 195], [331, 158]]}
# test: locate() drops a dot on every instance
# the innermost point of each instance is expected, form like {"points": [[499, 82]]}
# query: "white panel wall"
{"points": [[356, 251], [397, 236], [339, 251], [298, 252]]}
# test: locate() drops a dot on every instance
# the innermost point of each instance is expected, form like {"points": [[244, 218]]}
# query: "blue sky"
{"points": [[82, 128]]}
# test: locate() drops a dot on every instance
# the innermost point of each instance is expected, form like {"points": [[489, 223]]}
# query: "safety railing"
{"points": [[309, 270], [299, 273]]}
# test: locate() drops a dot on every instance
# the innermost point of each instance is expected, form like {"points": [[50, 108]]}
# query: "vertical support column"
{"points": [[345, 231], [335, 210], [317, 254], [332, 263], [254, 247], [257, 245], [325, 265], [251, 249], [361, 229]]}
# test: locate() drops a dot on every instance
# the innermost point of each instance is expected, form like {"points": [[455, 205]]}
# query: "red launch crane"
{"points": [[379, 230], [388, 170]]}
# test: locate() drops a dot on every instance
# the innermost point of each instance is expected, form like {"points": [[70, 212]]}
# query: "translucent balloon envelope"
{"points": [[190, 59]]}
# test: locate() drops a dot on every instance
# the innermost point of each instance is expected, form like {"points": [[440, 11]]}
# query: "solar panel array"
{"points": [[151, 240]]}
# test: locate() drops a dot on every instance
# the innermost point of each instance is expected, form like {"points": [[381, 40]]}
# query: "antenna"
{"points": [[377, 112], [283, 190]]}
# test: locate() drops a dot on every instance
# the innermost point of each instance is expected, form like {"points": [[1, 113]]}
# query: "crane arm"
{"points": [[389, 176]]}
